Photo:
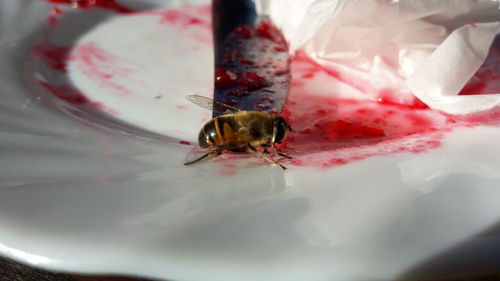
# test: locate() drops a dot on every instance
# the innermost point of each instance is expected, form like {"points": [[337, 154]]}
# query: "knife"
{"points": [[252, 67]]}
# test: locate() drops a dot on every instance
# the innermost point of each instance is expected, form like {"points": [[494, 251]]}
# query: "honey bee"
{"points": [[239, 131]]}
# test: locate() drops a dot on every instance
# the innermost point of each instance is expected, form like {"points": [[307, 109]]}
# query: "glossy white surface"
{"points": [[81, 191]]}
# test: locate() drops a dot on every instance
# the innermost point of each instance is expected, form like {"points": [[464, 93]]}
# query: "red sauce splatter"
{"points": [[86, 4], [388, 97], [313, 67], [52, 19], [195, 21], [268, 30], [90, 58], [54, 56], [56, 11], [186, 16], [223, 78], [246, 61], [330, 131], [184, 142], [248, 81], [66, 93], [243, 31], [327, 131], [74, 96], [98, 64], [252, 81], [279, 48]]}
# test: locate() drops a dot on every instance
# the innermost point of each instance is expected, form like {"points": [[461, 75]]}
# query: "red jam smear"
{"points": [[194, 21], [92, 60], [267, 30], [56, 57], [101, 66], [223, 79], [327, 130], [75, 97], [330, 131], [54, 13]]}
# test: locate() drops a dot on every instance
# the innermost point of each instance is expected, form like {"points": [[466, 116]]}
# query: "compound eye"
{"points": [[281, 127]]}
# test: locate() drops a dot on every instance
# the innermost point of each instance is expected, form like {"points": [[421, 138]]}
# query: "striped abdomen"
{"points": [[219, 131]]}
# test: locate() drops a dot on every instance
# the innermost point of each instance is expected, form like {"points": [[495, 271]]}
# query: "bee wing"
{"points": [[210, 104]]}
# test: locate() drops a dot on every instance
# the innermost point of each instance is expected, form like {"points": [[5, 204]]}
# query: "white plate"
{"points": [[98, 186]]}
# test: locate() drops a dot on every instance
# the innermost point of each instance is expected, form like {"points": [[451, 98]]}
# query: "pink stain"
{"points": [[193, 20], [92, 60], [101, 66], [185, 16], [227, 170], [314, 68], [105, 108], [74, 96]]}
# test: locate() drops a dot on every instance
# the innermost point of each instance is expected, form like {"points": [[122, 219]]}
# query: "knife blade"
{"points": [[252, 67]]}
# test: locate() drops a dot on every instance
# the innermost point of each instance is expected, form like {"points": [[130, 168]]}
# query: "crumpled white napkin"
{"points": [[424, 48]]}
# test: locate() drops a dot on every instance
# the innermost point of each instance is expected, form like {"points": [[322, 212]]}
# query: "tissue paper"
{"points": [[399, 50]]}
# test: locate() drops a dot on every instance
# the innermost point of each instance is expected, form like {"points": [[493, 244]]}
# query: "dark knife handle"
{"points": [[226, 16]]}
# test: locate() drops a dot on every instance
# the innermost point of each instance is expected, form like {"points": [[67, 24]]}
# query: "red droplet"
{"points": [[243, 31], [55, 56], [228, 101], [279, 48], [252, 81], [246, 61], [56, 11], [266, 30], [185, 17], [222, 78], [185, 142]]}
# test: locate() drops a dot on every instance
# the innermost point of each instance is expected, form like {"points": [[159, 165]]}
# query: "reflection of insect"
{"points": [[239, 130]]}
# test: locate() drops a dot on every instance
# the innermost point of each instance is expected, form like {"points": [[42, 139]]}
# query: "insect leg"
{"points": [[255, 151], [210, 154], [281, 153]]}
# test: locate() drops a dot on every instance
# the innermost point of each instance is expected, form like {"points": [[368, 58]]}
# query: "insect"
{"points": [[239, 131]]}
